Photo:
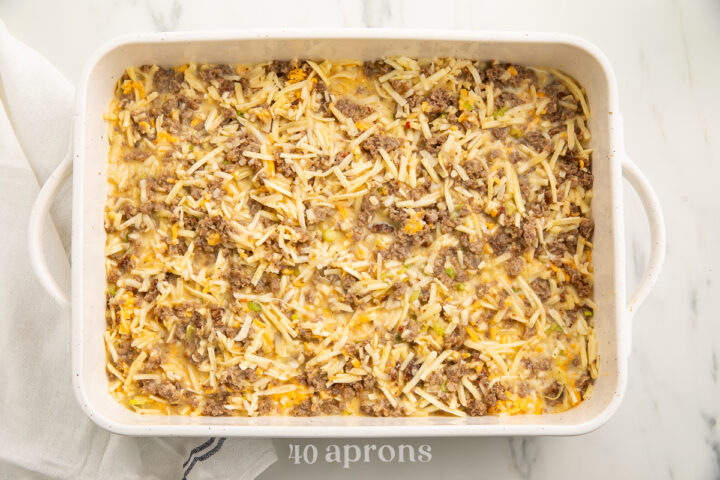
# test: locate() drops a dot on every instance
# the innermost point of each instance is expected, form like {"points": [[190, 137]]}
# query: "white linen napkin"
{"points": [[43, 432]]}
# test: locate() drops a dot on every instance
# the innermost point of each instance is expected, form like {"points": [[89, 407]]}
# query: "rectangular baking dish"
{"points": [[569, 54]]}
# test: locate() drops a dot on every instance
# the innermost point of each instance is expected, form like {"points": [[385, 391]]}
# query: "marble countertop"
{"points": [[666, 54]]}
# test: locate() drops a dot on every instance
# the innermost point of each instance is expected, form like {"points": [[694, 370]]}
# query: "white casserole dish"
{"points": [[570, 54]]}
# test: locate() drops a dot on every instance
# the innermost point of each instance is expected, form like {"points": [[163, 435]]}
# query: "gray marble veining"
{"points": [[165, 17]]}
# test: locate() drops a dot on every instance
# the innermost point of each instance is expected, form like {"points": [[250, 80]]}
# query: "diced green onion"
{"points": [[515, 132], [588, 313], [190, 332], [112, 290], [398, 338], [509, 208], [555, 328], [459, 287], [450, 272], [499, 112], [254, 307], [439, 329]]}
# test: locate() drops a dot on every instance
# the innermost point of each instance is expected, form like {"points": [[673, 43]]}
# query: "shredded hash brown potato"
{"points": [[401, 237]]}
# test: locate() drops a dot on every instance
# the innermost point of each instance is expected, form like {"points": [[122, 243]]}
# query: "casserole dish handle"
{"points": [[38, 217], [658, 241]]}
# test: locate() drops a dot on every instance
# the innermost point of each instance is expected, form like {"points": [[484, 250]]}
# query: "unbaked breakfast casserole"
{"points": [[401, 237]]}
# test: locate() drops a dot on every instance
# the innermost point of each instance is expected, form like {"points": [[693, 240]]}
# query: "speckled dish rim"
{"points": [[88, 162]]}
